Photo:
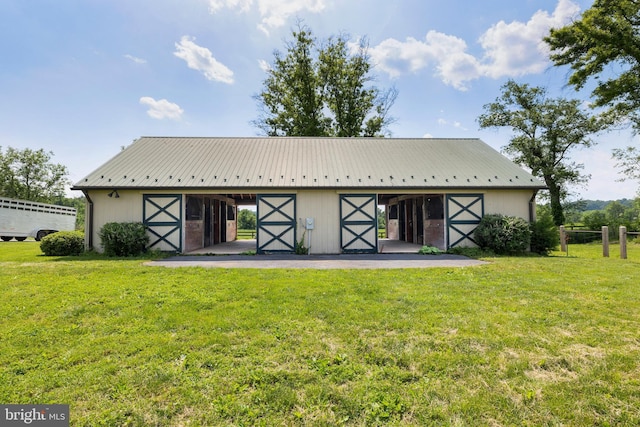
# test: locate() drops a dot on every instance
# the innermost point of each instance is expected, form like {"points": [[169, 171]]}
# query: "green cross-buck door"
{"points": [[162, 214], [358, 223], [464, 212], [276, 214]]}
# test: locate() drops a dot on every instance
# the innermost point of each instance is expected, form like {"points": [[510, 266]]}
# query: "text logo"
{"points": [[34, 415]]}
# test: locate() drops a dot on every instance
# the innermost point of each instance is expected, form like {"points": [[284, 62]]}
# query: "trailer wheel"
{"points": [[6, 238], [40, 235], [21, 239]]}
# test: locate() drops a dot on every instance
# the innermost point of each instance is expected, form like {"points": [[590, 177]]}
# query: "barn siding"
{"points": [[508, 202], [126, 208], [324, 207]]}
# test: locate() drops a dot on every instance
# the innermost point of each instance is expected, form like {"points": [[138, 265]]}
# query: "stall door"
{"points": [[162, 214], [276, 223], [358, 223], [464, 214]]}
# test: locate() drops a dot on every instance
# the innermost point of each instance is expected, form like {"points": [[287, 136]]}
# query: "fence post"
{"points": [[623, 242], [605, 241], [563, 239]]}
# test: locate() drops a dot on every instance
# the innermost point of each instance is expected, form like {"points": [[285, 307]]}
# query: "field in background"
{"points": [[246, 234], [521, 341]]}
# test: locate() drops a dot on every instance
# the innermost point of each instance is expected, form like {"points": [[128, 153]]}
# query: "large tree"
{"points": [[628, 160], [30, 175], [322, 89], [604, 46], [545, 131]]}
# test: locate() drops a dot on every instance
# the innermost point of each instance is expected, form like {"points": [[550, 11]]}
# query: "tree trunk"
{"points": [[555, 202]]}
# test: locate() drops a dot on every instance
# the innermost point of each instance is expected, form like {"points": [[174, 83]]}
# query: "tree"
{"points": [[28, 174], [246, 219], [594, 220], [607, 35], [546, 130], [628, 160], [605, 38], [322, 90], [80, 204]]}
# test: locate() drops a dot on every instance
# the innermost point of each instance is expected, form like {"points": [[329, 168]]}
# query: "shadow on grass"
{"points": [[96, 256]]}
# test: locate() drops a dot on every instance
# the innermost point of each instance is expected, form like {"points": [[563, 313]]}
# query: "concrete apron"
{"points": [[238, 247], [395, 254], [373, 261]]}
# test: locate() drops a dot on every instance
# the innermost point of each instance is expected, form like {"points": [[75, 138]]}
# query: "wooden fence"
{"points": [[623, 233]]}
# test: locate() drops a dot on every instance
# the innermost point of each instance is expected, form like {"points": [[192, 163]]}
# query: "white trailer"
{"points": [[20, 219]]}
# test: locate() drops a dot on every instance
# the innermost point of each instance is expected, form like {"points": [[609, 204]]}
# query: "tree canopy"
{"points": [[545, 131], [604, 46], [30, 175], [322, 89], [606, 35]]}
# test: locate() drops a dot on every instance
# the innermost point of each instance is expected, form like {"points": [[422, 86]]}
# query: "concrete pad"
{"points": [[356, 261]]}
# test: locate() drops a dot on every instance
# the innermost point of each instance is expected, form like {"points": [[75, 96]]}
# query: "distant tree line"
{"points": [[593, 214], [28, 174]]}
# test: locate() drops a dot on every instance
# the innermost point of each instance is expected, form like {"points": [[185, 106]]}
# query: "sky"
{"points": [[84, 78]]}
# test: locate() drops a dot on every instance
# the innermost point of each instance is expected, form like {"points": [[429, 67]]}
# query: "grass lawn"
{"points": [[520, 341]]}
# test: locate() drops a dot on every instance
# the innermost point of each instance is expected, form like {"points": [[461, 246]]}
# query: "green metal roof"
{"points": [[291, 162]]}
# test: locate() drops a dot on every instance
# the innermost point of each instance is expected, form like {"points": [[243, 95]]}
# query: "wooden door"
{"points": [[464, 212], [276, 215], [358, 223], [162, 214]]}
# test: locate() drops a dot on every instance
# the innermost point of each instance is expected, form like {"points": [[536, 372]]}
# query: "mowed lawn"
{"points": [[520, 341]]}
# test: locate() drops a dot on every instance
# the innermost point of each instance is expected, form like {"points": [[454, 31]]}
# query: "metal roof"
{"points": [[309, 162]]}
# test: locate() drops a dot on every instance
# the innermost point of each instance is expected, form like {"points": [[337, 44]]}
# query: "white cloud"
{"points": [[162, 109], [264, 65], [455, 124], [517, 48], [216, 5], [273, 13], [510, 50], [136, 59], [200, 58]]}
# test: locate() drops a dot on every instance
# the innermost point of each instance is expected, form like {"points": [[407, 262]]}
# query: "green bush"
{"points": [[124, 238], [545, 236], [430, 250], [503, 234], [63, 243]]}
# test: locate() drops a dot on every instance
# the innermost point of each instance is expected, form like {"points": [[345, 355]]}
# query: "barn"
{"points": [[323, 192]]}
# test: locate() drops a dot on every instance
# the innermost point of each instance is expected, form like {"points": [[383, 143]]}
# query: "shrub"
{"points": [[594, 220], [63, 243], [124, 238], [430, 250], [545, 236], [503, 234]]}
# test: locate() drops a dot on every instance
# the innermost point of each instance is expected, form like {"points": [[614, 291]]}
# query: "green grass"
{"points": [[520, 341], [246, 234]]}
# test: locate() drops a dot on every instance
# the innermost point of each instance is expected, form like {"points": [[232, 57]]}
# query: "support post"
{"points": [[563, 239], [623, 242], [605, 241]]}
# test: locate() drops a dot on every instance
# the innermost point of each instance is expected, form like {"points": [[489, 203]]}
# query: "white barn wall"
{"points": [[323, 207], [126, 208], [508, 202]]}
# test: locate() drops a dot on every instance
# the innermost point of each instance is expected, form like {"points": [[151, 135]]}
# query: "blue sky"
{"points": [[82, 78]]}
